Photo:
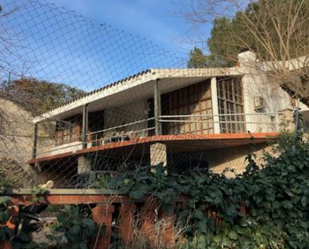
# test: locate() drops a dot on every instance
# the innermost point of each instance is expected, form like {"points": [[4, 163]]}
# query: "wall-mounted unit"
{"points": [[259, 103]]}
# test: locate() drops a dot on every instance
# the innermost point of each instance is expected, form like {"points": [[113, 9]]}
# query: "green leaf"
{"points": [[198, 214], [75, 230], [233, 235], [89, 223], [136, 194], [304, 201], [83, 245], [5, 199], [201, 242], [202, 225]]}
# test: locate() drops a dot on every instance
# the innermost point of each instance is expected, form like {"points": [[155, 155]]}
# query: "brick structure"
{"points": [[127, 222], [102, 215], [147, 220]]}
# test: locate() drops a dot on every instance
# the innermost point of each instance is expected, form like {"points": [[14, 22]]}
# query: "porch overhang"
{"points": [[134, 88], [179, 143]]}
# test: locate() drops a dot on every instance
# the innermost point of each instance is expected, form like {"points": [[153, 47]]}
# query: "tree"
{"points": [[197, 59], [275, 30], [39, 96], [6, 42]]}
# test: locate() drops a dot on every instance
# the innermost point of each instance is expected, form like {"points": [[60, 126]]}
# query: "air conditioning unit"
{"points": [[259, 103]]}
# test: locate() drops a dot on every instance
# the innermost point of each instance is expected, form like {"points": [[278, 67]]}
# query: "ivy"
{"points": [[276, 197], [75, 227]]}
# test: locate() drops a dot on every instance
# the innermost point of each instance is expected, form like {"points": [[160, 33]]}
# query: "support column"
{"points": [[83, 164], [35, 141], [158, 154], [85, 126], [214, 103], [157, 108], [102, 216], [126, 222]]}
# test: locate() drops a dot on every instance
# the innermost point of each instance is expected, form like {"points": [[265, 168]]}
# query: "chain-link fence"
{"points": [[78, 96]]}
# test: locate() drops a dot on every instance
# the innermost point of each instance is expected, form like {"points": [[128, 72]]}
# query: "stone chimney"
{"points": [[246, 59]]}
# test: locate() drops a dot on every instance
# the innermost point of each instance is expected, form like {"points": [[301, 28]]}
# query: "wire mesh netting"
{"points": [[78, 96]]}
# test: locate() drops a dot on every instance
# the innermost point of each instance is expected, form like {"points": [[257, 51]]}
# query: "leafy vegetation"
{"points": [[75, 227], [266, 27], [276, 198], [197, 59], [39, 96], [265, 207]]}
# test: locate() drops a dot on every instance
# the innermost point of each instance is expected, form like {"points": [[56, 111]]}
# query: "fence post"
{"points": [[148, 215], [102, 216], [126, 222], [168, 233]]}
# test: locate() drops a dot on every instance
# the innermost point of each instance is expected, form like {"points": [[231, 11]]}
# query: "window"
{"points": [[68, 130], [230, 105], [191, 100]]}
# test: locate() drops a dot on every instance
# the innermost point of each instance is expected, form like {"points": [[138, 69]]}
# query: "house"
{"points": [[211, 117]]}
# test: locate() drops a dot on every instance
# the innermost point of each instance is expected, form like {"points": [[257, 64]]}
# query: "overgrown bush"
{"points": [[75, 226], [276, 198]]}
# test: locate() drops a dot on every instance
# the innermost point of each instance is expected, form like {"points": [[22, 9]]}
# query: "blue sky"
{"points": [[152, 19], [101, 42]]}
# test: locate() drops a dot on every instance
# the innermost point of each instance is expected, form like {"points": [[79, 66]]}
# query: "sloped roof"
{"points": [[137, 79]]}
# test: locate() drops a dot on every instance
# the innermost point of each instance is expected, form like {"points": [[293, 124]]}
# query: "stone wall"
{"points": [[16, 132], [234, 158]]}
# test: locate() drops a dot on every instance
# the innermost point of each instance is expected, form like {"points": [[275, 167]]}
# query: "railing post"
{"points": [[35, 141], [85, 126], [157, 108], [214, 103]]}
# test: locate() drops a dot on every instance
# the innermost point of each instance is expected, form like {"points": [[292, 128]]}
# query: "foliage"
{"points": [[5, 233], [276, 197], [197, 59], [252, 28], [75, 227], [39, 96]]}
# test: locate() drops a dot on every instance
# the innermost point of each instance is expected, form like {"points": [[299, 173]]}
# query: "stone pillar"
{"points": [[84, 164], [147, 218], [158, 154], [102, 216], [127, 222]]}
